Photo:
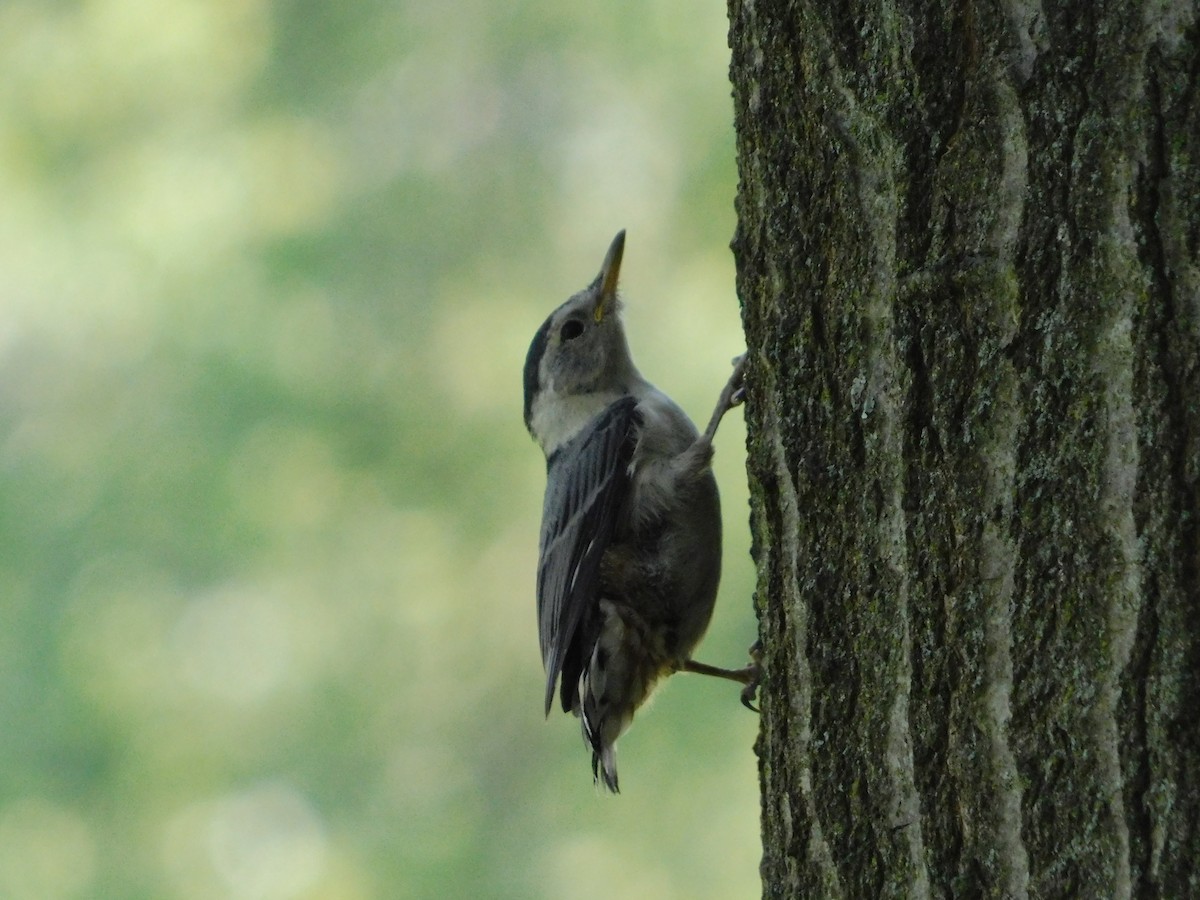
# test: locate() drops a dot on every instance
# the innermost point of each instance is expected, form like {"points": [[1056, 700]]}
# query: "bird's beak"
{"points": [[608, 276]]}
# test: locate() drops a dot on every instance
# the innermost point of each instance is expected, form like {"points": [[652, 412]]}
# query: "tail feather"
{"points": [[620, 674], [604, 768], [604, 753]]}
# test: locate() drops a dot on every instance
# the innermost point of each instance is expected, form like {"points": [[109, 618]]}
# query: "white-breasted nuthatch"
{"points": [[630, 551]]}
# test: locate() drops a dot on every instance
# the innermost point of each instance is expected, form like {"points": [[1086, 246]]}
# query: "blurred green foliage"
{"points": [[268, 272]]}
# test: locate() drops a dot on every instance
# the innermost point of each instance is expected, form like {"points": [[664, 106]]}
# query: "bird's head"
{"points": [[580, 357]]}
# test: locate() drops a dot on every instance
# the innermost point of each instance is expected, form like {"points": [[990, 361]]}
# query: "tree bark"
{"points": [[967, 253]]}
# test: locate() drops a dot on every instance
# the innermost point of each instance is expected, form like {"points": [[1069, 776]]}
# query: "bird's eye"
{"points": [[572, 328]]}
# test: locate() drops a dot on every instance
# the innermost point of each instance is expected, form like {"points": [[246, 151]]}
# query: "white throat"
{"points": [[555, 418]]}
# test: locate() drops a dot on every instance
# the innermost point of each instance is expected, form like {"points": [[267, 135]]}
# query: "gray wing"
{"points": [[587, 480]]}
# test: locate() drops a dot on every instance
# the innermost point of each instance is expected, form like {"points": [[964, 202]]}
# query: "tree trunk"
{"points": [[967, 250]]}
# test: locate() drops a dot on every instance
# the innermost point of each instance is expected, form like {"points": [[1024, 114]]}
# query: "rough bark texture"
{"points": [[967, 251]]}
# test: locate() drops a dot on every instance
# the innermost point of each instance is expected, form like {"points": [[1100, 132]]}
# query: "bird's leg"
{"points": [[732, 395], [701, 452], [742, 676], [698, 456], [749, 676]]}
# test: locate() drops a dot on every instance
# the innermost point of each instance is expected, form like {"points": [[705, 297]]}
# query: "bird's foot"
{"points": [[735, 389], [750, 691], [733, 394], [748, 676]]}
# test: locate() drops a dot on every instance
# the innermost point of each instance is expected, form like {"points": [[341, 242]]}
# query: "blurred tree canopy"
{"points": [[267, 276]]}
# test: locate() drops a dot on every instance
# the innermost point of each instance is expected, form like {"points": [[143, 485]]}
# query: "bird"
{"points": [[630, 544]]}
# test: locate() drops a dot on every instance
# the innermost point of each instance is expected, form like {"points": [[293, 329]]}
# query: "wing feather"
{"points": [[587, 481]]}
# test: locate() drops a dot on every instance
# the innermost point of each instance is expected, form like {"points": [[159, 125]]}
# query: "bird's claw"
{"points": [[732, 394], [749, 695], [735, 391], [738, 393], [750, 691]]}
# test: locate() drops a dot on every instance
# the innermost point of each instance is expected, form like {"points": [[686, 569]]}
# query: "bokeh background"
{"points": [[268, 513]]}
